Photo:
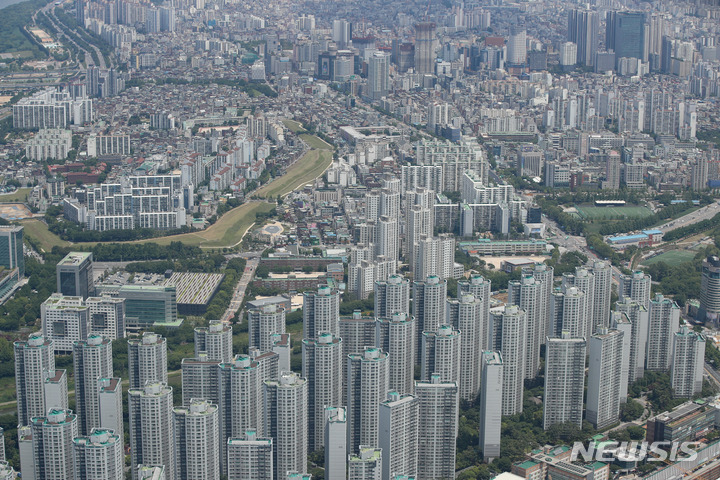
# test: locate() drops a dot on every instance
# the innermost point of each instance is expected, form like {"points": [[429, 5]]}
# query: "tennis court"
{"points": [[591, 212]]}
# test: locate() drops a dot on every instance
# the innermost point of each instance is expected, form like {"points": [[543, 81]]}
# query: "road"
{"points": [[704, 213], [240, 289], [712, 373], [574, 243]]}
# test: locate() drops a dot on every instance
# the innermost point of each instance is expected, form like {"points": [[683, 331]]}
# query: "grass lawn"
{"points": [[594, 213], [672, 257], [293, 126], [226, 232], [308, 168], [39, 231], [316, 142], [19, 195]]}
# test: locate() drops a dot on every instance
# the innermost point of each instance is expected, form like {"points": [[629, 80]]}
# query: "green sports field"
{"points": [[672, 258], [595, 213]]}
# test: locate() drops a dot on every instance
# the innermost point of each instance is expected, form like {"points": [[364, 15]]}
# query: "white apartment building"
{"points": [[92, 360], [197, 441], [508, 328], [663, 324], [215, 341], [465, 315], [605, 377], [688, 363], [33, 358], [99, 455], [152, 427], [286, 421], [250, 456], [564, 380], [527, 293], [52, 444], [335, 443], [322, 367], [367, 385], [65, 320], [440, 355], [147, 360], [396, 335], [321, 312], [490, 408], [398, 434], [437, 427]]}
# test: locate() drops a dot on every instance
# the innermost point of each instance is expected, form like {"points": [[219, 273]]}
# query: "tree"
{"points": [[631, 410]]}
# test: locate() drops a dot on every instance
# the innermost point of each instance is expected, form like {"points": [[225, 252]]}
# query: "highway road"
{"points": [[240, 289], [704, 213]]}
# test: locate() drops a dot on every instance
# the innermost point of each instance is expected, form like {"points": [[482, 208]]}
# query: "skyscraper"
{"points": [[508, 327], [517, 46], [241, 396], [52, 443], [111, 405], [583, 30], [626, 34], [107, 316], [366, 464], [322, 367], [152, 427], [65, 320], [638, 316], [437, 427], [569, 312], [387, 238], [612, 171], [367, 386], [398, 434], [602, 271], [434, 256], [429, 299], [688, 363], [710, 290], [466, 314], [637, 286], [544, 274], [663, 324], [441, 355], [396, 336], [147, 360], [93, 361], [74, 275], [490, 408], [200, 379], [321, 312], [286, 421], [99, 455], [11, 248], [215, 341], [605, 377], [527, 293], [357, 332], [335, 443], [419, 221], [379, 76], [262, 323], [425, 48], [250, 456], [564, 381], [392, 296], [584, 280], [33, 358], [197, 441]]}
